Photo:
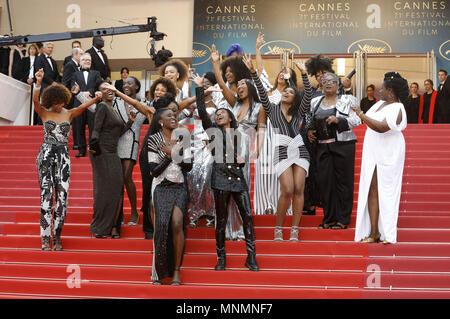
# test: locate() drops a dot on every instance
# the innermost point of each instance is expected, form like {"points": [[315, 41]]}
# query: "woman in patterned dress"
{"points": [[53, 161]]}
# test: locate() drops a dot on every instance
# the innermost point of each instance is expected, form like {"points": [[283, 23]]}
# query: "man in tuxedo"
{"points": [[51, 74], [442, 113], [99, 59], [86, 79], [72, 66], [75, 44]]}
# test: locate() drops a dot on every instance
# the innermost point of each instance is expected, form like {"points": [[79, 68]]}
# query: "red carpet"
{"points": [[324, 264]]}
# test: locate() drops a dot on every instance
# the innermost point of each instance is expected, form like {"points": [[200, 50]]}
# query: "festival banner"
{"points": [[322, 26]]}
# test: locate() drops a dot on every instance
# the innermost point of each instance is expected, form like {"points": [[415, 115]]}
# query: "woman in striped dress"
{"points": [[267, 186], [291, 158]]}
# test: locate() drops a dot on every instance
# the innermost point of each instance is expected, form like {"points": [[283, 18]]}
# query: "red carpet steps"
{"points": [[325, 264]]}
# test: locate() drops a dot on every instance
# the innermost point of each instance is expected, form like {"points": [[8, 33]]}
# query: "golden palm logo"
{"points": [[280, 47], [444, 50], [198, 53], [201, 53], [370, 46]]}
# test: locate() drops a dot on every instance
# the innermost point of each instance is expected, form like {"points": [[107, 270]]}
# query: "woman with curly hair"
{"points": [[53, 161], [383, 159], [177, 71]]}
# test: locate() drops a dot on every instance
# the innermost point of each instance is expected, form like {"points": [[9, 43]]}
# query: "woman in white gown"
{"points": [[382, 164]]}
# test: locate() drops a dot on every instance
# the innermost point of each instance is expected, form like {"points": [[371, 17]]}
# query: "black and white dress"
{"points": [[287, 141]]}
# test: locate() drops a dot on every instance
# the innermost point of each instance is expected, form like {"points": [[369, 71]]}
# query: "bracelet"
{"points": [[359, 114], [36, 88]]}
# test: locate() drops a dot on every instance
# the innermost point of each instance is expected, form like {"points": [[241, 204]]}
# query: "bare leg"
{"points": [[287, 190], [178, 241], [373, 205], [127, 168], [299, 188]]}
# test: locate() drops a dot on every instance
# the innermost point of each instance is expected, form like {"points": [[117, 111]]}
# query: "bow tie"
{"points": [[85, 70]]}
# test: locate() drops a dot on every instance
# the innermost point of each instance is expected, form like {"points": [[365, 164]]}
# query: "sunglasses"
{"points": [[333, 81]]}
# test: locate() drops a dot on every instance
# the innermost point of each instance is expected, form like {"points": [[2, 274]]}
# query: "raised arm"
{"points": [[259, 62], [37, 104], [306, 100], [259, 86], [79, 110], [200, 94], [228, 94]]}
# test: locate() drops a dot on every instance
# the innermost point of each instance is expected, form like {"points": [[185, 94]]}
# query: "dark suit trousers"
{"points": [[79, 129], [335, 175]]}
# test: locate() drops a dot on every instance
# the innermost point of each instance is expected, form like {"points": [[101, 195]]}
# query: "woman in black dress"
{"points": [[159, 88], [169, 193], [106, 165], [227, 179], [412, 104]]}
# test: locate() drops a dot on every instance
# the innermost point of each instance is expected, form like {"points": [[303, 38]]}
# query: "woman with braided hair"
{"points": [[382, 164]]}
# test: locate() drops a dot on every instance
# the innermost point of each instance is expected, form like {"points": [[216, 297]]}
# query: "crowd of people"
{"points": [[301, 142]]}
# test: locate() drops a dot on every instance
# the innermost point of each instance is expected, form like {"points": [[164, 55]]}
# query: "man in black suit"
{"points": [[99, 59], [86, 79], [72, 66], [442, 112], [51, 74], [75, 44]]}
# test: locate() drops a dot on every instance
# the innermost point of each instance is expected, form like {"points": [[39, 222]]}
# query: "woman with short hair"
{"points": [[332, 131]]}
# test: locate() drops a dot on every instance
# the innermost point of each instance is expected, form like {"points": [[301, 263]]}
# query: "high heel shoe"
{"points": [[114, 233], [278, 234], [57, 244], [370, 240], [134, 223], [176, 282], [46, 244], [294, 233], [221, 259]]}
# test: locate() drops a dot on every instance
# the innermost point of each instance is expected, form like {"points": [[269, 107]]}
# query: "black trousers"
{"points": [[242, 200], [79, 129], [335, 175]]}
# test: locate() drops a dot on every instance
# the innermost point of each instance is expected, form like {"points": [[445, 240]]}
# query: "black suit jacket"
{"points": [[78, 77], [50, 75], [24, 69], [67, 59], [442, 111], [224, 176], [69, 69], [98, 65]]}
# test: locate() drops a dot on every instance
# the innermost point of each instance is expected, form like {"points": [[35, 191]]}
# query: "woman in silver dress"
{"points": [[201, 202], [128, 145]]}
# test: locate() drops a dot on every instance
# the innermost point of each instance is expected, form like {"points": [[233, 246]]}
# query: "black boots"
{"points": [[221, 263], [250, 263]]}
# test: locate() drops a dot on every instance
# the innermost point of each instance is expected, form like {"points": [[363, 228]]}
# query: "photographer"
{"points": [[331, 130]]}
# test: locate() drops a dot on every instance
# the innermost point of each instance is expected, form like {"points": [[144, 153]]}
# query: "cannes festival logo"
{"points": [[370, 46], [444, 50], [201, 53], [280, 46]]}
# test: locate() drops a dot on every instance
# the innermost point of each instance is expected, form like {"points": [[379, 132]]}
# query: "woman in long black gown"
{"points": [[106, 165], [170, 194]]}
